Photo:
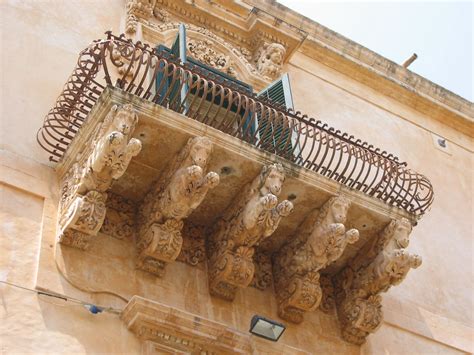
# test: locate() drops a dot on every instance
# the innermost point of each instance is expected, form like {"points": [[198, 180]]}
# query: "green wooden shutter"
{"points": [[278, 138], [178, 49]]}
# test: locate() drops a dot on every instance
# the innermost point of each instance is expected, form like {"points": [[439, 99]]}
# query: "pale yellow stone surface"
{"points": [[431, 312]]}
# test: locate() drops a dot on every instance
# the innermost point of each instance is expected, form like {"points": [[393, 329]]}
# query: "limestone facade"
{"points": [[184, 232]]}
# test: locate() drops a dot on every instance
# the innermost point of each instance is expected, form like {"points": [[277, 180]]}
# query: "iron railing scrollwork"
{"points": [[135, 67]]}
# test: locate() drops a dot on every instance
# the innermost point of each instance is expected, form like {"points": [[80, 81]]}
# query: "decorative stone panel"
{"points": [[170, 328]]}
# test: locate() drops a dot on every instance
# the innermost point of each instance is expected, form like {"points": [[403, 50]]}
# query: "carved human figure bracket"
{"points": [[379, 265], [253, 218], [178, 192], [104, 160], [320, 240]]}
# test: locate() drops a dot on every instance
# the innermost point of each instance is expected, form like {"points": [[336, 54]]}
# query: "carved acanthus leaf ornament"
{"points": [[104, 160], [202, 50]]}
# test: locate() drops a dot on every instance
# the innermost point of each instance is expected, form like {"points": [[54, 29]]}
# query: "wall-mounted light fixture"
{"points": [[266, 328]]}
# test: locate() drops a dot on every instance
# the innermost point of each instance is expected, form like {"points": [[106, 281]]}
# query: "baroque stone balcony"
{"points": [[324, 220]]}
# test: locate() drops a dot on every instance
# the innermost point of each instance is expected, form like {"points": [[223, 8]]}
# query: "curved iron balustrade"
{"points": [[318, 147]]}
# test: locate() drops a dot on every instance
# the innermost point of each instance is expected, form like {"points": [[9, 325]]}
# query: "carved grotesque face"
{"points": [[273, 181], [125, 121], [200, 152], [402, 233], [275, 53], [339, 209]]}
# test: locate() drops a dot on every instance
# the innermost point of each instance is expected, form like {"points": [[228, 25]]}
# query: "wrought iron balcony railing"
{"points": [[135, 67]]}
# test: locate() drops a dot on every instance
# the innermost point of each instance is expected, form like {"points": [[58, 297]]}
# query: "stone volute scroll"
{"points": [[178, 192], [320, 240], [253, 218], [104, 159], [379, 265]]}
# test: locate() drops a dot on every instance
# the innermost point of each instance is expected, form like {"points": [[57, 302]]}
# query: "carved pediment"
{"points": [[253, 49]]}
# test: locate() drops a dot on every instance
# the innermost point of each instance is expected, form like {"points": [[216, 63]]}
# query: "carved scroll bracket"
{"points": [[320, 240], [254, 217], [178, 192], [104, 159], [379, 265]]}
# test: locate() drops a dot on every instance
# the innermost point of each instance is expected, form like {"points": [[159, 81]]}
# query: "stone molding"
{"points": [[181, 331]]}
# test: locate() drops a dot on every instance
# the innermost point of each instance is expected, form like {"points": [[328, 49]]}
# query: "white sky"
{"points": [[439, 32]]}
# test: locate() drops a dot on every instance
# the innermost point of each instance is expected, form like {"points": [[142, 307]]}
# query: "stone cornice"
{"points": [[375, 71], [164, 325], [246, 23]]}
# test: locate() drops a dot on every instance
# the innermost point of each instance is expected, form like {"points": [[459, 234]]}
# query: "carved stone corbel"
{"points": [[321, 240], [178, 192], [105, 159], [379, 265], [254, 217]]}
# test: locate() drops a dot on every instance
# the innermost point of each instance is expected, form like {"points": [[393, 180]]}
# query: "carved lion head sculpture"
{"points": [[271, 179]]}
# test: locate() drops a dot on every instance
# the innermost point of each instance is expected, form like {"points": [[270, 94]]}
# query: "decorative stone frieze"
{"points": [[193, 250], [103, 160], [262, 278], [328, 301], [178, 192], [320, 240], [119, 221], [203, 51], [379, 265], [253, 218]]}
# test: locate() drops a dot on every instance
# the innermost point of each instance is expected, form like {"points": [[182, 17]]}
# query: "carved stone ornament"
{"points": [[193, 250], [178, 192], [202, 50], [104, 160], [137, 9], [379, 265], [321, 240], [263, 271], [270, 60], [119, 221], [253, 218], [205, 51]]}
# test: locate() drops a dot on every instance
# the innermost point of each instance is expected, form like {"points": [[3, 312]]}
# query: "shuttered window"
{"points": [[276, 136]]}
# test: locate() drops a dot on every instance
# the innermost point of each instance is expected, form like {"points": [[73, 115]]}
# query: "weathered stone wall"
{"points": [[430, 312], [435, 301]]}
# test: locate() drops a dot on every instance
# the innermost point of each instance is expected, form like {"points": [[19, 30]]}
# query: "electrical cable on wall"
{"points": [[94, 309]]}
